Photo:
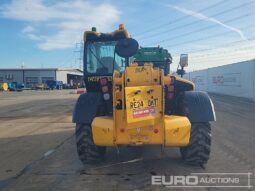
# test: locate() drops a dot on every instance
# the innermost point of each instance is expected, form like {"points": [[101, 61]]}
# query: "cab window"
{"points": [[101, 58]]}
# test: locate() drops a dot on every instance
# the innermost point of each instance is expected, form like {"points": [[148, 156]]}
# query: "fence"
{"points": [[234, 79]]}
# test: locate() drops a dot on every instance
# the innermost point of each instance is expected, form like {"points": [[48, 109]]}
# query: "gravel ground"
{"points": [[37, 148]]}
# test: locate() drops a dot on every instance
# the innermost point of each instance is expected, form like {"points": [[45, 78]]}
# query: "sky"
{"points": [[48, 33]]}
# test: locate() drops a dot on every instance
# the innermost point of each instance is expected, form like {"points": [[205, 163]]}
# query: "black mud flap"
{"points": [[87, 107], [196, 105]]}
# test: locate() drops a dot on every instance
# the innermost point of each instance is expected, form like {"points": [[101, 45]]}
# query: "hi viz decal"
{"points": [[143, 108], [144, 112]]}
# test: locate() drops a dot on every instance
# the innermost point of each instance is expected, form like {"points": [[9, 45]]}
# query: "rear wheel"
{"points": [[198, 150], [87, 151]]}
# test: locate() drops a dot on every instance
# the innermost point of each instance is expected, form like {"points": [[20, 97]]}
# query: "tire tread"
{"points": [[198, 150], [87, 151]]}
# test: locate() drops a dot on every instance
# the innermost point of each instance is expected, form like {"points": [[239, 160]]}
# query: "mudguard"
{"points": [[88, 106], [197, 106]]}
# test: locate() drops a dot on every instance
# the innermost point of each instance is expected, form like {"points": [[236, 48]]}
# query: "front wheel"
{"points": [[198, 150], [87, 151]]}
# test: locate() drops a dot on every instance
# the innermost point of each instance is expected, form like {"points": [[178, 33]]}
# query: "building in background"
{"points": [[237, 79], [33, 76]]}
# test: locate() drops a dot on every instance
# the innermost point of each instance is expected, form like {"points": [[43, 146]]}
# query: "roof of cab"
{"points": [[96, 36]]}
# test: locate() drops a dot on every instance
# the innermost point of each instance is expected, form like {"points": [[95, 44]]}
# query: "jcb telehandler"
{"points": [[131, 104]]}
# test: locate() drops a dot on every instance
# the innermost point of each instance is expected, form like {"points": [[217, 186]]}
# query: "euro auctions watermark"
{"points": [[231, 180]]}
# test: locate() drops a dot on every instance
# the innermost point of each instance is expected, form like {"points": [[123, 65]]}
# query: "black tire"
{"points": [[87, 151], [198, 150]]}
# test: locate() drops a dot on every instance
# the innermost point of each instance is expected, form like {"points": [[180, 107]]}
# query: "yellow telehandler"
{"points": [[131, 104]]}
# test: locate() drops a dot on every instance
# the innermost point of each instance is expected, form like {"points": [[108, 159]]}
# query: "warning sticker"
{"points": [[144, 112]]}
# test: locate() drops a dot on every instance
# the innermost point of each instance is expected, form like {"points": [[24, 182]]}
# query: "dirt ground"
{"points": [[38, 152]]}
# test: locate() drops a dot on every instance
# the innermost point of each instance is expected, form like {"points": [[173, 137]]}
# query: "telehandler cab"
{"points": [[131, 104]]}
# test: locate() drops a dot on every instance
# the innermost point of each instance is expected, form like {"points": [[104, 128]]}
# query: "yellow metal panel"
{"points": [[177, 130], [141, 118], [143, 103], [102, 129], [142, 135], [156, 72], [139, 75]]}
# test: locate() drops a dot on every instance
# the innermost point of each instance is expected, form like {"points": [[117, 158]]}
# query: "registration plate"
{"points": [[143, 105]]}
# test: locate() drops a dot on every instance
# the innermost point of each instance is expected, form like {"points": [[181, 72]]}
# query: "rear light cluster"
{"points": [[170, 89], [105, 88]]}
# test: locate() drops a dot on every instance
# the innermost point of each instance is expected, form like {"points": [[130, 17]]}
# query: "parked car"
{"points": [[54, 84], [15, 86]]}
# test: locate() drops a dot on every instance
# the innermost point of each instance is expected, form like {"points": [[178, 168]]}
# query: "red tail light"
{"points": [[105, 88]]}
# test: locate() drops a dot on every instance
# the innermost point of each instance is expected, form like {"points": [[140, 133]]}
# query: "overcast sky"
{"points": [[44, 33]]}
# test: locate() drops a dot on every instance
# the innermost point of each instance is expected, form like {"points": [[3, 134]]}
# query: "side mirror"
{"points": [[184, 60], [126, 47]]}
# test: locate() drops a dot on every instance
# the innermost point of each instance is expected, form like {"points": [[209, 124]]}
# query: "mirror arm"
{"points": [[127, 61], [182, 71]]}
